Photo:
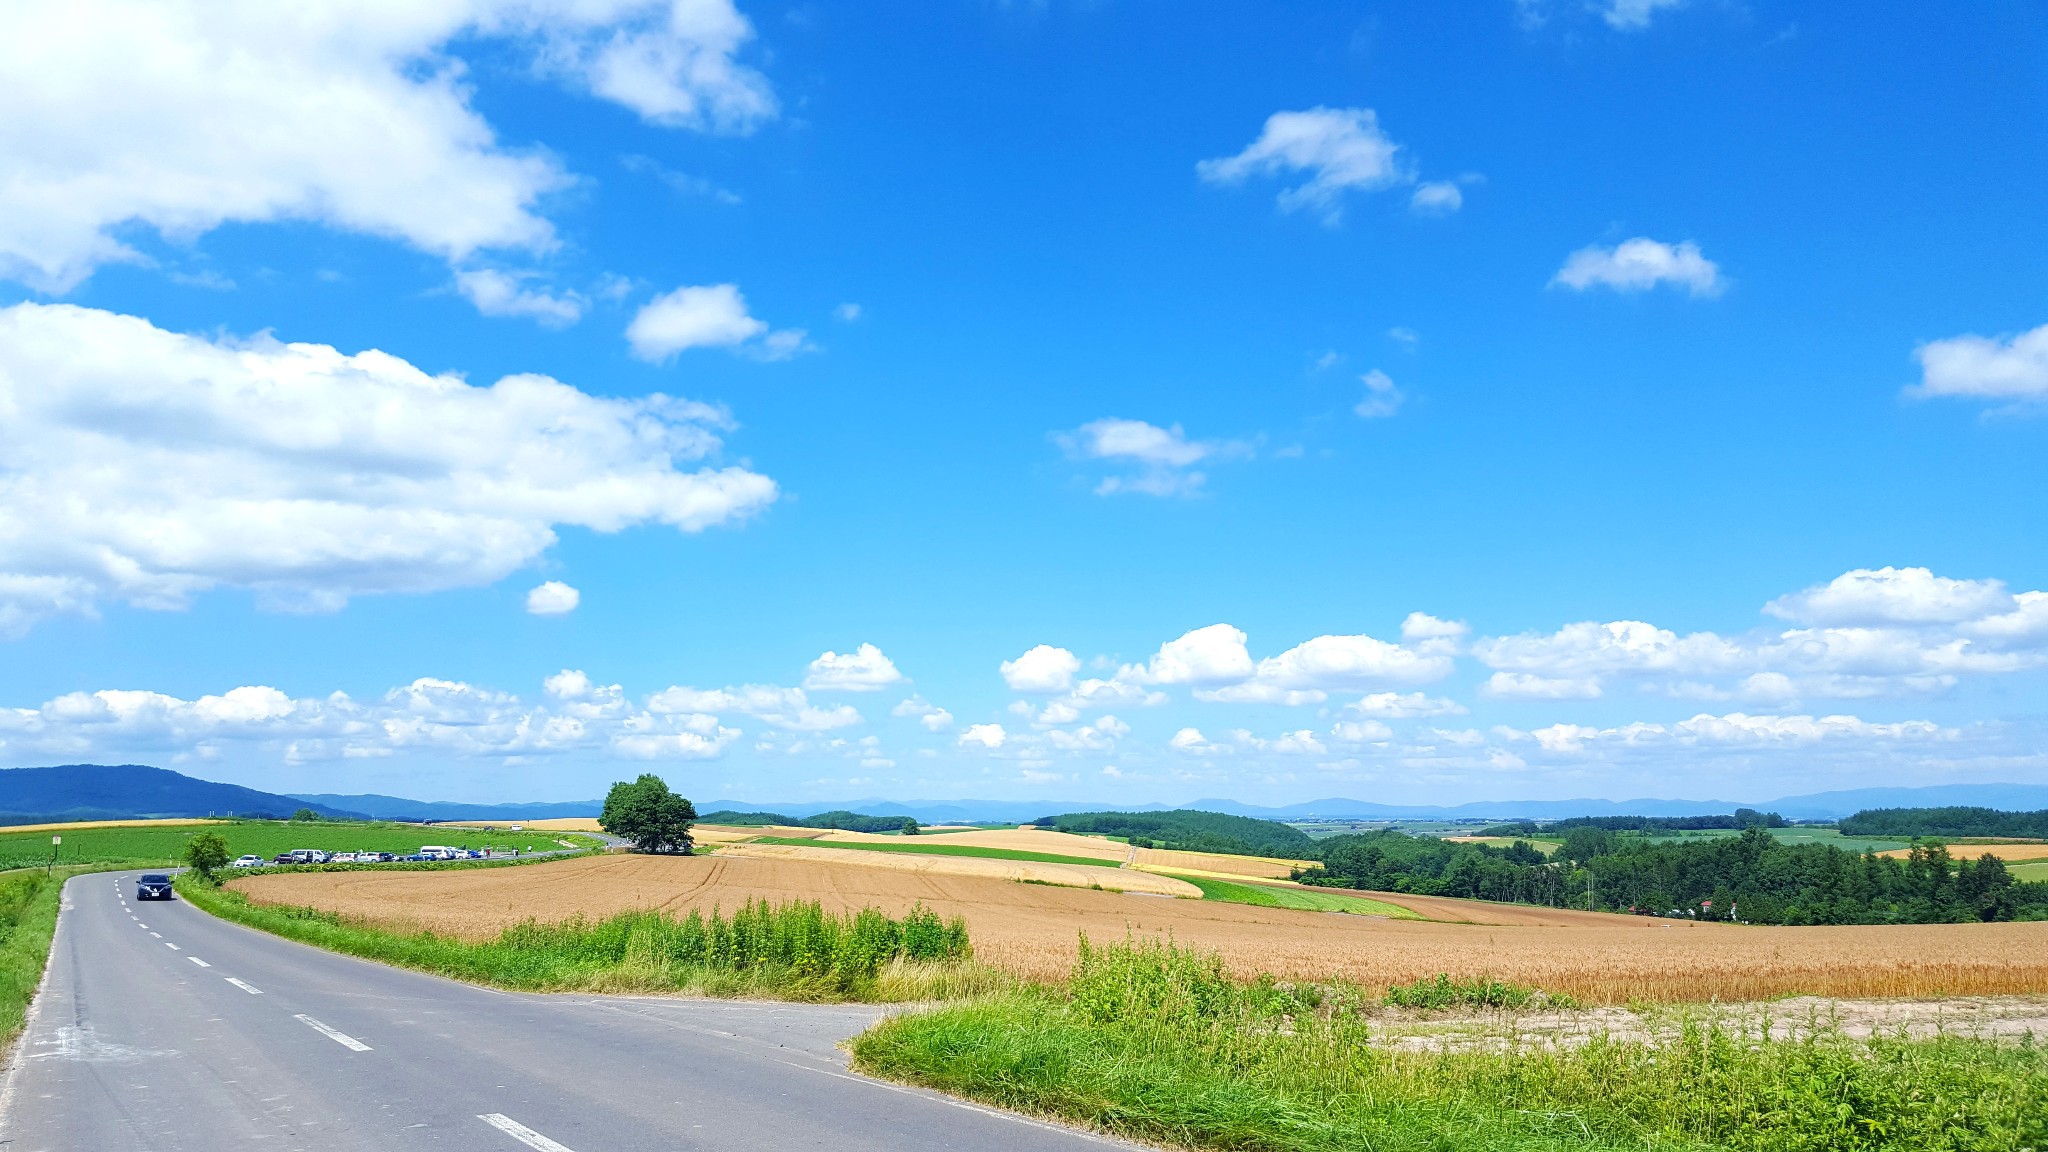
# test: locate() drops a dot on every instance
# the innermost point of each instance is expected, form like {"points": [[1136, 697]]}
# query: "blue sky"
{"points": [[1407, 403]]}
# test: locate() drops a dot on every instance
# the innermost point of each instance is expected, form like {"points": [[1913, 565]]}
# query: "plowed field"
{"points": [[1031, 929]]}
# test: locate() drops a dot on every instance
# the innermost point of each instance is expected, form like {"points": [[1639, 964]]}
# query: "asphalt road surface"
{"points": [[161, 1028]]}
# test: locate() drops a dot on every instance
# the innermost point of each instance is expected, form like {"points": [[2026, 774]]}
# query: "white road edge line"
{"points": [[522, 1133], [198, 961], [245, 986], [342, 1038]]}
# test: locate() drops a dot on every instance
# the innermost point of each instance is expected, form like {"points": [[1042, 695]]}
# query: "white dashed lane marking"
{"points": [[158, 935], [341, 1038], [245, 986], [171, 946], [198, 961], [522, 1133]]}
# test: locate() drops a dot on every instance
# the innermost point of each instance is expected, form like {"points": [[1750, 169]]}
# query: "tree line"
{"points": [[1739, 819], [1752, 877], [1960, 821]]}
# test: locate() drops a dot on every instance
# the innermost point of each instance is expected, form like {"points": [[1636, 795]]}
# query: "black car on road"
{"points": [[153, 886]]}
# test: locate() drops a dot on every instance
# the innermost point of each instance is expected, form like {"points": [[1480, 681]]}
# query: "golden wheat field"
{"points": [[1031, 929], [82, 824], [2010, 853]]}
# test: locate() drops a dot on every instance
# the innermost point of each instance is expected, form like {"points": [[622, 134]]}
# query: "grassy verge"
{"points": [[942, 850], [792, 951], [1268, 896], [1157, 1044]]}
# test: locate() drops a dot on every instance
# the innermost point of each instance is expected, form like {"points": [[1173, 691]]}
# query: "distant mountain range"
{"points": [[133, 791], [130, 791]]}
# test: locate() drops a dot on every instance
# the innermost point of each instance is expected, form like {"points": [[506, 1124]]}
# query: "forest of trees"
{"points": [[837, 819], [1955, 822], [1740, 818], [1185, 830], [1751, 877]]}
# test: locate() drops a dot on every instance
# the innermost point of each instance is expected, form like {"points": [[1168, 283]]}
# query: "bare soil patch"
{"points": [[1031, 929]]}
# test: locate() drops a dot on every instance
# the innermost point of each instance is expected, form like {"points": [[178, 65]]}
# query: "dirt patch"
{"points": [[1021, 871], [1031, 929], [2006, 852]]}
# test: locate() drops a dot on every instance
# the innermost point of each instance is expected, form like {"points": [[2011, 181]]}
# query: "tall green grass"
{"points": [[1157, 1043], [793, 950]]}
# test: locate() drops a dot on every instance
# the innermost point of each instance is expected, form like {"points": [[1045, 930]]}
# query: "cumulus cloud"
{"points": [[931, 716], [181, 115], [1361, 732], [1339, 150], [1212, 655], [986, 736], [713, 316], [1892, 596], [1162, 459], [1396, 706], [1990, 368], [552, 598], [1737, 729], [499, 293], [1043, 669], [431, 716], [1869, 632], [863, 670], [786, 708], [1639, 265], [147, 466], [1382, 398], [1524, 686], [1192, 742]]}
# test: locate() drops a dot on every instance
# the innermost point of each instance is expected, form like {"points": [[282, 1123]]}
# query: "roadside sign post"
{"points": [[54, 841]]}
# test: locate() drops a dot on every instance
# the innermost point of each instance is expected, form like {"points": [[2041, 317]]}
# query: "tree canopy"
{"points": [[647, 813], [206, 852], [1189, 830], [1945, 822]]}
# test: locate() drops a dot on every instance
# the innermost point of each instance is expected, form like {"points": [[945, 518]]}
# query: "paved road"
{"points": [[161, 1028]]}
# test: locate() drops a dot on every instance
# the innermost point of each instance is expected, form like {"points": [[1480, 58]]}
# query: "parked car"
{"points": [[416, 857], [153, 886], [308, 856], [342, 858], [283, 858], [248, 862]]}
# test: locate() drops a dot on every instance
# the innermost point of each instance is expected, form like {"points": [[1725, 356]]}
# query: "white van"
{"points": [[442, 852]]}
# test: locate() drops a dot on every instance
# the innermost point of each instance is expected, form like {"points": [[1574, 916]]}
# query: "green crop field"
{"points": [[1269, 896], [1818, 834], [2035, 871], [162, 843], [943, 850]]}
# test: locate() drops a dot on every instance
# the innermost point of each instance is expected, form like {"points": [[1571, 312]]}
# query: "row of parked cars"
{"points": [[316, 856]]}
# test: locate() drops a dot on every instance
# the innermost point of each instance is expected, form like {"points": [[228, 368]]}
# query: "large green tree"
{"points": [[647, 813], [206, 852]]}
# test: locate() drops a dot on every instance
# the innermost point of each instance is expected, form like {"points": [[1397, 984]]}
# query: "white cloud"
{"points": [[1629, 15], [1212, 655], [1406, 337], [147, 466], [1395, 706], [1880, 596], [933, 717], [1436, 198], [1297, 743], [1639, 265], [498, 293], [1192, 742], [1043, 669], [1871, 632], [862, 670], [1361, 732], [440, 718], [1163, 457], [1987, 367], [181, 115], [1523, 686], [1738, 730], [782, 707], [1340, 149], [1419, 627], [1382, 398], [552, 598], [1347, 661], [846, 313], [714, 316], [989, 736]]}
